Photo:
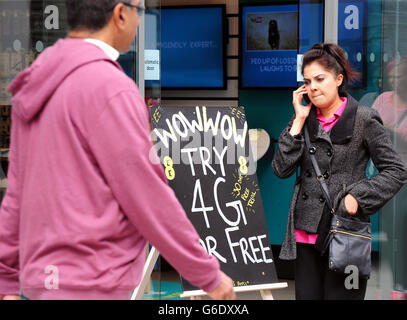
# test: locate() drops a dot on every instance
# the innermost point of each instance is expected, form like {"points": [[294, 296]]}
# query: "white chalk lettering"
{"points": [[225, 135], [166, 134], [211, 249], [243, 248], [232, 244], [237, 205], [194, 125], [208, 123], [264, 249], [176, 124], [205, 160], [248, 247], [181, 126], [254, 250], [191, 162], [220, 158], [203, 209]]}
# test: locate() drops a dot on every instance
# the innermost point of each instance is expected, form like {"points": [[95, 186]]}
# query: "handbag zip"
{"points": [[351, 234]]}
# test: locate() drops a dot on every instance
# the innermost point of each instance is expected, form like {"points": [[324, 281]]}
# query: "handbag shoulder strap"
{"points": [[320, 177]]}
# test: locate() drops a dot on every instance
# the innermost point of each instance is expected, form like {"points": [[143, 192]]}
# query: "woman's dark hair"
{"points": [[89, 14], [332, 58]]}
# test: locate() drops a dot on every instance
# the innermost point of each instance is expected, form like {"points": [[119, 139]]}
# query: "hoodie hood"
{"points": [[33, 87]]}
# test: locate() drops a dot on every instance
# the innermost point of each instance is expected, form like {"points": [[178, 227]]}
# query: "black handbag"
{"points": [[348, 241]]}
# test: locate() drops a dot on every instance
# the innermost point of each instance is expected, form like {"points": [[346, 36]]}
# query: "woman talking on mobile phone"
{"points": [[344, 136]]}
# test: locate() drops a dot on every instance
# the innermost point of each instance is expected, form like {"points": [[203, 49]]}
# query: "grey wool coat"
{"points": [[342, 155]]}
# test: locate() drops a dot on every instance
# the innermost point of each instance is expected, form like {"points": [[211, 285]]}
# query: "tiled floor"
{"points": [[167, 286], [168, 283]]}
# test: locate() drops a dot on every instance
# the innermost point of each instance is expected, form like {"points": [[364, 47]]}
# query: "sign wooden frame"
{"points": [[138, 293]]}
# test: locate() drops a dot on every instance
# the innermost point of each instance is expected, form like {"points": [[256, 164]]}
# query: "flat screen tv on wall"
{"points": [[193, 51], [273, 38], [352, 28]]}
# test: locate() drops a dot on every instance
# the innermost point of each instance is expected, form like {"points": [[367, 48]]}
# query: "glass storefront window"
{"points": [[152, 53], [392, 106], [377, 29], [26, 29]]}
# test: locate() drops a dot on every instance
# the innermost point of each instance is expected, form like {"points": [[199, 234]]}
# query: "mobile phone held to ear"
{"points": [[306, 99]]}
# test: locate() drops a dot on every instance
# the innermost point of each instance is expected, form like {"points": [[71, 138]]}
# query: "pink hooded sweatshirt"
{"points": [[83, 195]]}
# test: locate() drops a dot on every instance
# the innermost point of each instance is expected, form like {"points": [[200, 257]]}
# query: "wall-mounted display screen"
{"points": [[311, 23], [272, 37], [193, 47], [351, 35]]}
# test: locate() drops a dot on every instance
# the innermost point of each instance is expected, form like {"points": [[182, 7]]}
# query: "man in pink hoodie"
{"points": [[83, 196]]}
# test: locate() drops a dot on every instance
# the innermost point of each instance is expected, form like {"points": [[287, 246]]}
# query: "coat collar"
{"points": [[342, 131]]}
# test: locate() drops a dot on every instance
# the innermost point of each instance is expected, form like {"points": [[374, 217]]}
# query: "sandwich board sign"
{"points": [[209, 164]]}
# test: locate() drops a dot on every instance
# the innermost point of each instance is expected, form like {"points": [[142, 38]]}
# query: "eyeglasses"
{"points": [[140, 9]]}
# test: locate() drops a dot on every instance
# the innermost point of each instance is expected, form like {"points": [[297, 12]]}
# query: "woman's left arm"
{"points": [[372, 194]]}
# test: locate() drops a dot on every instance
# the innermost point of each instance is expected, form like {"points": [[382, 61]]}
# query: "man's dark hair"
{"points": [[89, 14]]}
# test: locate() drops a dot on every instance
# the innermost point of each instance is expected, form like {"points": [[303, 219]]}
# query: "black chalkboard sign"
{"points": [[208, 162]]}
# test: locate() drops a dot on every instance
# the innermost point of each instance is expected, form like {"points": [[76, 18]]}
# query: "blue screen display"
{"points": [[311, 24], [272, 36], [269, 46], [192, 47], [351, 26]]}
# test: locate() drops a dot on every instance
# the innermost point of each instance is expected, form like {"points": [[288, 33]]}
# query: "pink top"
{"points": [[391, 112], [86, 189], [301, 235], [393, 116]]}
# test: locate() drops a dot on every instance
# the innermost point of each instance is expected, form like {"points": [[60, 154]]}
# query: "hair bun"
{"points": [[333, 58]]}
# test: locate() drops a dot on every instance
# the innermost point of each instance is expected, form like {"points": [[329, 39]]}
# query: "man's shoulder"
{"points": [[103, 76], [106, 69]]}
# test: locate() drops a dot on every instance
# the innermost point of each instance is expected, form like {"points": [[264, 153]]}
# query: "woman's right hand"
{"points": [[301, 111]]}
